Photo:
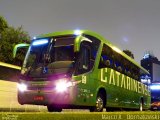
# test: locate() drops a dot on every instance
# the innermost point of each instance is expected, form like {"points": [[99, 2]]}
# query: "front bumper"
{"points": [[41, 97], [155, 107]]}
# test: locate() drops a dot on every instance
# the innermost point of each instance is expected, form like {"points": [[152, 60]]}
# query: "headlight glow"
{"points": [[22, 87], [62, 85]]}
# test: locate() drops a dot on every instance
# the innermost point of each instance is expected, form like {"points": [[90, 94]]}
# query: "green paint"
{"points": [[112, 78], [123, 81], [121, 90], [118, 78]]}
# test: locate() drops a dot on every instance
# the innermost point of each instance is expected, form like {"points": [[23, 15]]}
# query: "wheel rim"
{"points": [[99, 104]]}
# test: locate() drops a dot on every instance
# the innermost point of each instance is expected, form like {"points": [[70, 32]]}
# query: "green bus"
{"points": [[80, 69]]}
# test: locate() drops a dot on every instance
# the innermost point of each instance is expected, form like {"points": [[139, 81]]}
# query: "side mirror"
{"points": [[78, 42], [16, 47]]}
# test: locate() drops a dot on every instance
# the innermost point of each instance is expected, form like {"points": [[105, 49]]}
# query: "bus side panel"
{"points": [[122, 91]]}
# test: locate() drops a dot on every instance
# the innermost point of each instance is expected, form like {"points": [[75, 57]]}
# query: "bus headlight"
{"points": [[63, 85], [22, 87]]}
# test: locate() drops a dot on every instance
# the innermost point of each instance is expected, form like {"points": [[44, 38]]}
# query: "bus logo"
{"points": [[45, 70]]}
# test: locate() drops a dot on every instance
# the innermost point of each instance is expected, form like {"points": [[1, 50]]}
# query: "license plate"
{"points": [[155, 108], [38, 98]]}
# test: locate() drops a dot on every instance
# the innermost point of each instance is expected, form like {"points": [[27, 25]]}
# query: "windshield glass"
{"points": [[49, 56]]}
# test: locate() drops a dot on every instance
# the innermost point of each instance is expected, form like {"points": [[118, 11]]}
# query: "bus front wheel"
{"points": [[99, 104], [52, 108]]}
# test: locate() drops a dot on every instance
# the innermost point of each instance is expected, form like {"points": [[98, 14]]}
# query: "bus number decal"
{"points": [[84, 79]]}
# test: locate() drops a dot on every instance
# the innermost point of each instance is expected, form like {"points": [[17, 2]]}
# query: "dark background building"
{"points": [[152, 64]]}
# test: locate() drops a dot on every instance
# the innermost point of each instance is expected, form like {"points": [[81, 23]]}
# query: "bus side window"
{"points": [[118, 66], [129, 72], [108, 63], [127, 67], [101, 63], [136, 74], [105, 60], [117, 61], [106, 57]]}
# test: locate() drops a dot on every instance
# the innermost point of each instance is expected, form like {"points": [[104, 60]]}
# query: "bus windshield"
{"points": [[49, 56]]}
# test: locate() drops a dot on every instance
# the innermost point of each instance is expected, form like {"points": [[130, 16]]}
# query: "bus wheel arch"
{"points": [[100, 99]]}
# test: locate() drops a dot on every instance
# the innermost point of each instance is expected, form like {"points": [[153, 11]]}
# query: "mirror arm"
{"points": [[19, 46]]}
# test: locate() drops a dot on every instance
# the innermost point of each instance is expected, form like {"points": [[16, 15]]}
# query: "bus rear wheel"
{"points": [[141, 105], [99, 104], [52, 108]]}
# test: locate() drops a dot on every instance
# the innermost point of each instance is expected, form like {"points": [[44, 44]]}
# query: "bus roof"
{"points": [[102, 39]]}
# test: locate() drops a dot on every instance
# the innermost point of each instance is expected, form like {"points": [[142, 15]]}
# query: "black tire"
{"points": [[52, 108], [100, 103]]}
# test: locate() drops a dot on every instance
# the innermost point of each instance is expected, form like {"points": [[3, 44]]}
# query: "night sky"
{"points": [[129, 24]]}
